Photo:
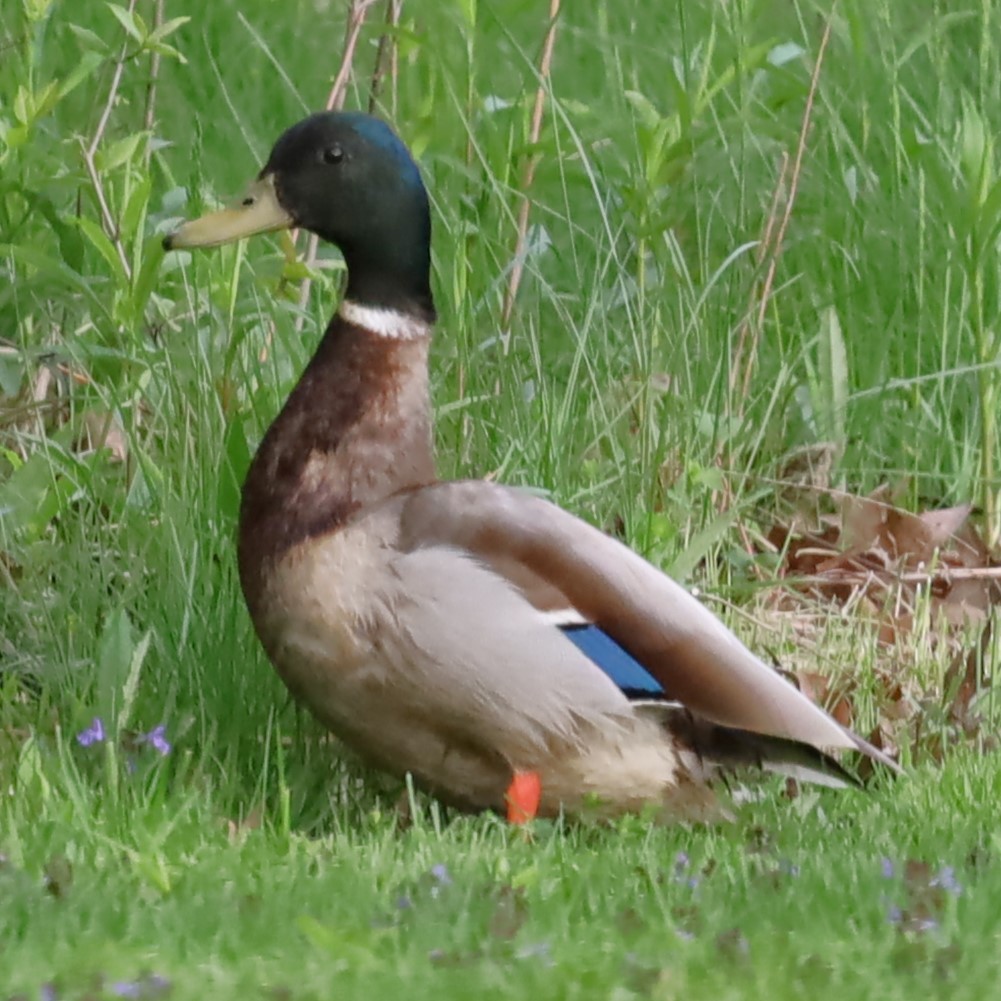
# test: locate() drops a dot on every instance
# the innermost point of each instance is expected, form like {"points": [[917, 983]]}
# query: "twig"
{"points": [[765, 247], [387, 46], [528, 176], [154, 73], [776, 248], [110, 226], [943, 575], [357, 14]]}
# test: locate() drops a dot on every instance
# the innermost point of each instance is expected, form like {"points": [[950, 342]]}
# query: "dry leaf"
{"points": [[102, 429]]}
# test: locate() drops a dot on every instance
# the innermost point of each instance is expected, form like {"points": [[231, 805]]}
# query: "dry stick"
{"points": [[110, 226], [944, 575], [387, 46], [518, 265], [794, 176], [335, 99], [775, 251], [154, 74], [764, 249]]}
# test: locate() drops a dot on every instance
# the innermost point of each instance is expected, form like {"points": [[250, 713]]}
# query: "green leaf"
{"points": [[46, 100], [169, 51], [116, 651], [129, 21], [645, 110], [23, 105], [99, 240], [16, 137], [135, 209], [11, 374], [701, 543], [52, 268], [467, 8], [130, 687], [145, 277], [38, 491], [120, 152], [165, 29], [233, 470], [37, 10], [149, 479], [92, 41], [976, 153], [89, 62], [833, 375]]}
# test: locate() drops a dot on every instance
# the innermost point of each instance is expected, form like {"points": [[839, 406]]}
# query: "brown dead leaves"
{"points": [[887, 559], [922, 579]]}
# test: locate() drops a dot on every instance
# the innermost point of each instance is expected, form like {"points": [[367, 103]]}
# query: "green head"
{"points": [[347, 177]]}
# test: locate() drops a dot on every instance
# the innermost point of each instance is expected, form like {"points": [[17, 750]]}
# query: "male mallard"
{"points": [[489, 643]]}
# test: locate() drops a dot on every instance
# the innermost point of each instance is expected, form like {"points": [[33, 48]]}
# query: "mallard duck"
{"points": [[506, 654]]}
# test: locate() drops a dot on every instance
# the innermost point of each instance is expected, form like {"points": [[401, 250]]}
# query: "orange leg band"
{"points": [[523, 796]]}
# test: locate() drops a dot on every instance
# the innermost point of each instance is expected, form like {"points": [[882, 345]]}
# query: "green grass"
{"points": [[661, 150]]}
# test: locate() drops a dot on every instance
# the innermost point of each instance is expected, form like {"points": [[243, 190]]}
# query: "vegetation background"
{"points": [[761, 251]]}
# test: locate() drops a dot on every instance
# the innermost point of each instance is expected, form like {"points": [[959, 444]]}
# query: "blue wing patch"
{"points": [[624, 669]]}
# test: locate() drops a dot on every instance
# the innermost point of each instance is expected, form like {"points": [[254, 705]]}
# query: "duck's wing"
{"points": [[484, 664], [581, 577]]}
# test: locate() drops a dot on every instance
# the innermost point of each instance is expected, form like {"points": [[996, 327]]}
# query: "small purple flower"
{"points": [[946, 879], [894, 915], [149, 985], [157, 739], [681, 864], [441, 874], [887, 867], [404, 903], [48, 992], [536, 950], [126, 989], [94, 734]]}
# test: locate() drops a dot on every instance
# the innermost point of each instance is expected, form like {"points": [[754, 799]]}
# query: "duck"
{"points": [[505, 654]]}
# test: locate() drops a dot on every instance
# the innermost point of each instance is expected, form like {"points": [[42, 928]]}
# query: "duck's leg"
{"points": [[523, 797]]}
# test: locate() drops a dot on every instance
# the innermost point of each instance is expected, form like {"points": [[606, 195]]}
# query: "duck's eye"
{"points": [[333, 154]]}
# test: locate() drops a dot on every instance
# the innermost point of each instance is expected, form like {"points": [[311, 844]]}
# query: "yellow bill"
{"points": [[259, 211]]}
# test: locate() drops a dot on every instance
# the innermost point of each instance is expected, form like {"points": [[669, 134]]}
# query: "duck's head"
{"points": [[348, 178]]}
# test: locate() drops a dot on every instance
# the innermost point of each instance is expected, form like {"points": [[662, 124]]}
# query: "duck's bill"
{"points": [[259, 211]]}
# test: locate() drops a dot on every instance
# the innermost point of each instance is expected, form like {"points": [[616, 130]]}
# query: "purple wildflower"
{"points": [[946, 879], [94, 734], [536, 950], [887, 867], [126, 989], [150, 985], [681, 875], [441, 874], [404, 903], [48, 992], [157, 739], [894, 915]]}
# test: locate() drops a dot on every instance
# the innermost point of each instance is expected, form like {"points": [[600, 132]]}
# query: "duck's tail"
{"points": [[724, 748]]}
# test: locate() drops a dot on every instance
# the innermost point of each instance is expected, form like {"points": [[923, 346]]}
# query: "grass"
{"points": [[252, 858]]}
